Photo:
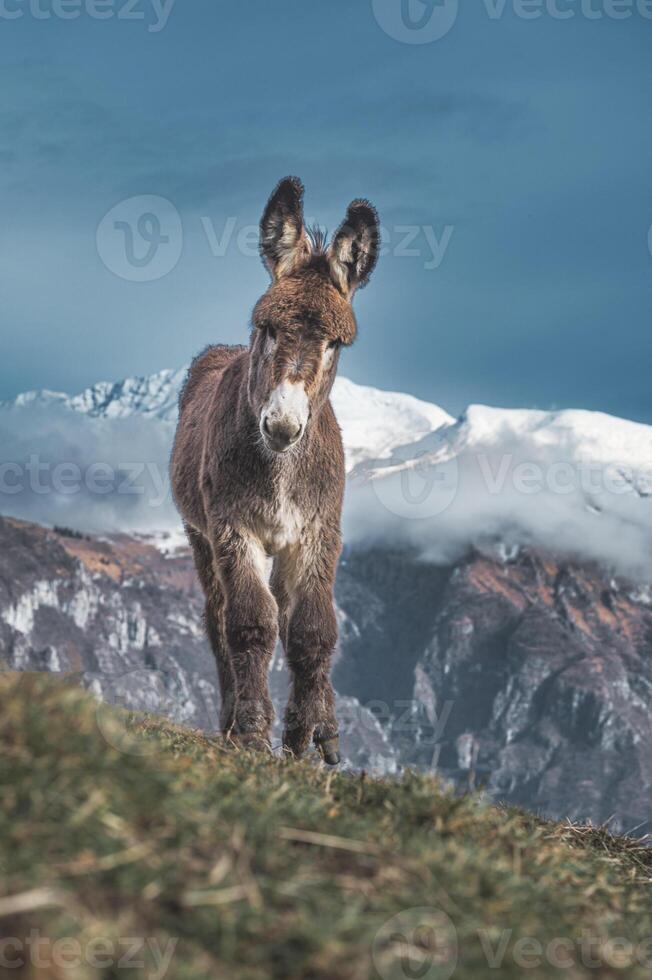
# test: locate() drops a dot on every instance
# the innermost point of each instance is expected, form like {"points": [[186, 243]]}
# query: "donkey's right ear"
{"points": [[284, 244]]}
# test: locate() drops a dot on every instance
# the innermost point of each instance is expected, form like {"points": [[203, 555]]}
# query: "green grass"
{"points": [[114, 828]]}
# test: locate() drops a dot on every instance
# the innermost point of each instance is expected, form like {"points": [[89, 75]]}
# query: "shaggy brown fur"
{"points": [[258, 470]]}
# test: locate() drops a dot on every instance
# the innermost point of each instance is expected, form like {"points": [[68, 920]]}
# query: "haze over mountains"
{"points": [[574, 483]]}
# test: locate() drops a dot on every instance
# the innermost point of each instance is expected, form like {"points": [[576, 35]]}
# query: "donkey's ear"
{"points": [[353, 253], [283, 241]]}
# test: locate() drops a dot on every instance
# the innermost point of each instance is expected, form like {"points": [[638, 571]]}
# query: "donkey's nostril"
{"points": [[266, 426]]}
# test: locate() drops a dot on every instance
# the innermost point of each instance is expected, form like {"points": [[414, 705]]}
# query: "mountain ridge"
{"points": [[156, 395], [571, 481]]}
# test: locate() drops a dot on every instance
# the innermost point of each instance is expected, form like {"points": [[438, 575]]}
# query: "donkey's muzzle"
{"points": [[285, 415], [280, 434]]}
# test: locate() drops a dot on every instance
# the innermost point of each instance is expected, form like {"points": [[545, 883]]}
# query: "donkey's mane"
{"points": [[317, 237]]}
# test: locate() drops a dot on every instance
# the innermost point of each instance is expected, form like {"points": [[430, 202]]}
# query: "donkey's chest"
{"points": [[279, 525]]}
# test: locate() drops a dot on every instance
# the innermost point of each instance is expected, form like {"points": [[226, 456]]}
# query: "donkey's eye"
{"points": [[334, 344], [271, 332]]}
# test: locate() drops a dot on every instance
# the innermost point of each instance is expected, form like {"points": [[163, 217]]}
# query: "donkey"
{"points": [[258, 471]]}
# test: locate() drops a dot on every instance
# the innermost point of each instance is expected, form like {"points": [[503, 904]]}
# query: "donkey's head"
{"points": [[305, 316]]}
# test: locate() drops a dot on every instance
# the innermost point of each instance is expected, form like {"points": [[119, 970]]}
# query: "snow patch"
{"points": [[20, 615]]}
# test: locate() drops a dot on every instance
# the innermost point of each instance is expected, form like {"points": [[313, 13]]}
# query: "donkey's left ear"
{"points": [[284, 244], [353, 253]]}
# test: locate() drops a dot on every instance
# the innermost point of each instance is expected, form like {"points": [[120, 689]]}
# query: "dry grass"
{"points": [[256, 867]]}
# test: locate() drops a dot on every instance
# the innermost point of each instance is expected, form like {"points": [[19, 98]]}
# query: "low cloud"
{"points": [[501, 493], [62, 467], [576, 485]]}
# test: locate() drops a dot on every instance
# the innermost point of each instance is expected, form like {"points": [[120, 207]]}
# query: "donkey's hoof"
{"points": [[330, 750]]}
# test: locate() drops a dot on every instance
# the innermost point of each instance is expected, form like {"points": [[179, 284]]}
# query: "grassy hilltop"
{"points": [[157, 852]]}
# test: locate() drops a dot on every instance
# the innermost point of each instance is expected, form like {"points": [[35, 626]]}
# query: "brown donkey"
{"points": [[258, 470]]}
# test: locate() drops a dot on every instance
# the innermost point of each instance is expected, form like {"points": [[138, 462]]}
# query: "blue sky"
{"points": [[521, 148]]}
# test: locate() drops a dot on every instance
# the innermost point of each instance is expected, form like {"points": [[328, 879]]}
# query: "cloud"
{"points": [[62, 467], [504, 490], [569, 484]]}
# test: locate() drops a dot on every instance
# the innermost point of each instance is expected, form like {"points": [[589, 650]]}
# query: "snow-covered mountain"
{"points": [[596, 437], [574, 482], [373, 422], [154, 395]]}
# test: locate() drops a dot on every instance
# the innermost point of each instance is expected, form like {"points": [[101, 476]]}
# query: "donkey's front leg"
{"points": [[251, 631], [309, 634]]}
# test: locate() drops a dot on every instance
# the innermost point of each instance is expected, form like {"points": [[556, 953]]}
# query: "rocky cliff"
{"points": [[528, 676]]}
